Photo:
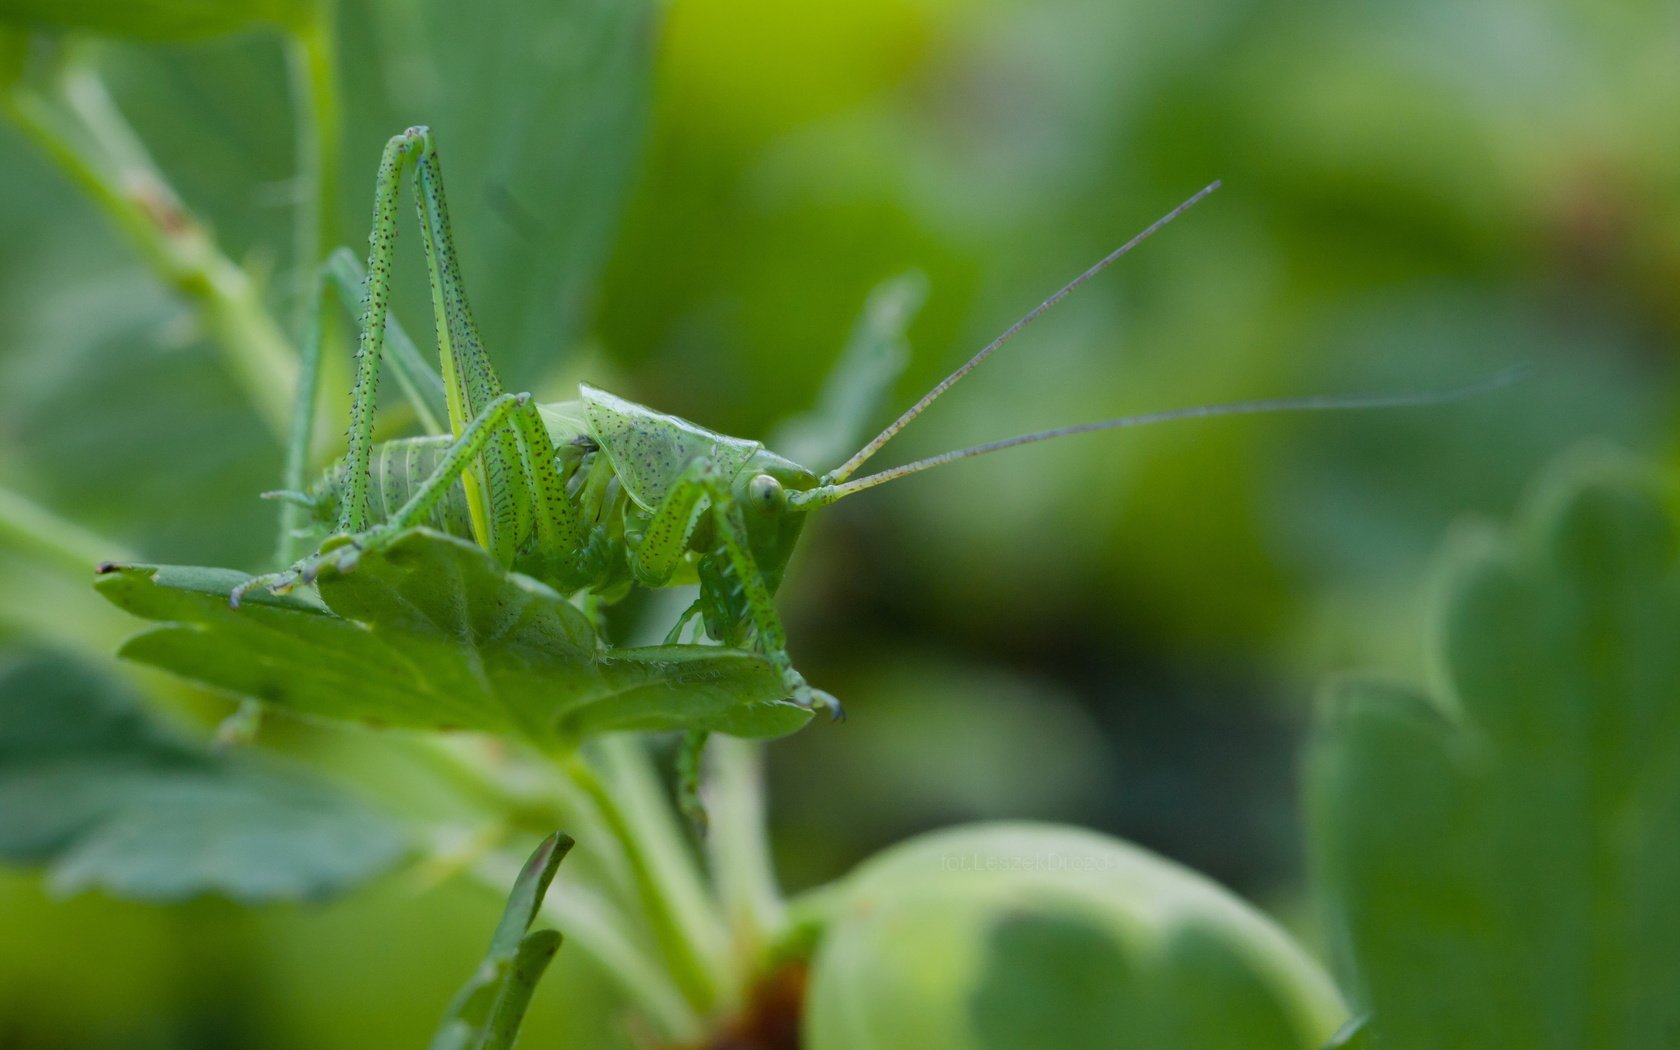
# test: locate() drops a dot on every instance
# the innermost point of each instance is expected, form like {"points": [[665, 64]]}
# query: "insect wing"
{"points": [[649, 449]]}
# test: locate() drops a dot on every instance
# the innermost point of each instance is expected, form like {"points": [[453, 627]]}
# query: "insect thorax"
{"points": [[650, 450]]}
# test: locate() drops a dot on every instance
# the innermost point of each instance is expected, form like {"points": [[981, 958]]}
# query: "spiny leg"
{"points": [[515, 489], [654, 558], [421, 384], [698, 490], [690, 755], [376, 298], [376, 302], [513, 486], [497, 492], [559, 529], [772, 640], [674, 635]]}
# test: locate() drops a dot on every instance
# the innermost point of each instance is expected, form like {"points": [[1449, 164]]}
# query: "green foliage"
{"points": [[798, 153], [487, 1012], [1502, 865], [1355, 1035], [852, 397], [1019, 935], [431, 633], [155, 19], [106, 798], [543, 112]]}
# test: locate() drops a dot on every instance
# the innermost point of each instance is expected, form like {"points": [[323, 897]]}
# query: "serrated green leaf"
{"points": [[1504, 875], [431, 633], [107, 799]]}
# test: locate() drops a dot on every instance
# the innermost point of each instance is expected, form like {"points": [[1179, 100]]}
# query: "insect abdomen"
{"points": [[396, 469], [399, 467]]}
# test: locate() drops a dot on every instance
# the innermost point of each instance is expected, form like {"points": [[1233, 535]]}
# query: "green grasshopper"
{"points": [[599, 495]]}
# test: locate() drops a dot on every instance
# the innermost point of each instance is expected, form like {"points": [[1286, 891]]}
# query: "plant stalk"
{"points": [[82, 131], [738, 845], [676, 906]]}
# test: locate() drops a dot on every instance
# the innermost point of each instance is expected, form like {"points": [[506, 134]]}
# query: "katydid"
{"points": [[599, 495]]}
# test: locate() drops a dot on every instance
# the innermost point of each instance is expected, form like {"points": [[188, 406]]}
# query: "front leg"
{"points": [[772, 640], [702, 490]]}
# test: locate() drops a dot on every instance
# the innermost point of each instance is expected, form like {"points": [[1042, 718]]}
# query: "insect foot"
{"points": [[338, 552], [816, 699], [272, 582]]}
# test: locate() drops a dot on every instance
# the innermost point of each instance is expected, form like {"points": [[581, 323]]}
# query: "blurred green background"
{"points": [[689, 203]]}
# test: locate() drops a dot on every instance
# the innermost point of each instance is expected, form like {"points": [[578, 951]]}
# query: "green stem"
{"points": [[738, 844], [253, 344], [88, 138], [683, 918], [294, 471], [593, 920], [312, 62], [33, 529], [46, 594], [311, 56], [647, 802]]}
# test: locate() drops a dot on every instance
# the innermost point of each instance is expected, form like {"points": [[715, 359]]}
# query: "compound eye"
{"points": [[766, 493]]}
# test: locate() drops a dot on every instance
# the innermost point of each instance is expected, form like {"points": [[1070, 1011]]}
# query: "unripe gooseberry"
{"points": [[1028, 936]]}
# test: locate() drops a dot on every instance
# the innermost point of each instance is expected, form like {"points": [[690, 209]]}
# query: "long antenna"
{"points": [[823, 495], [848, 468]]}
